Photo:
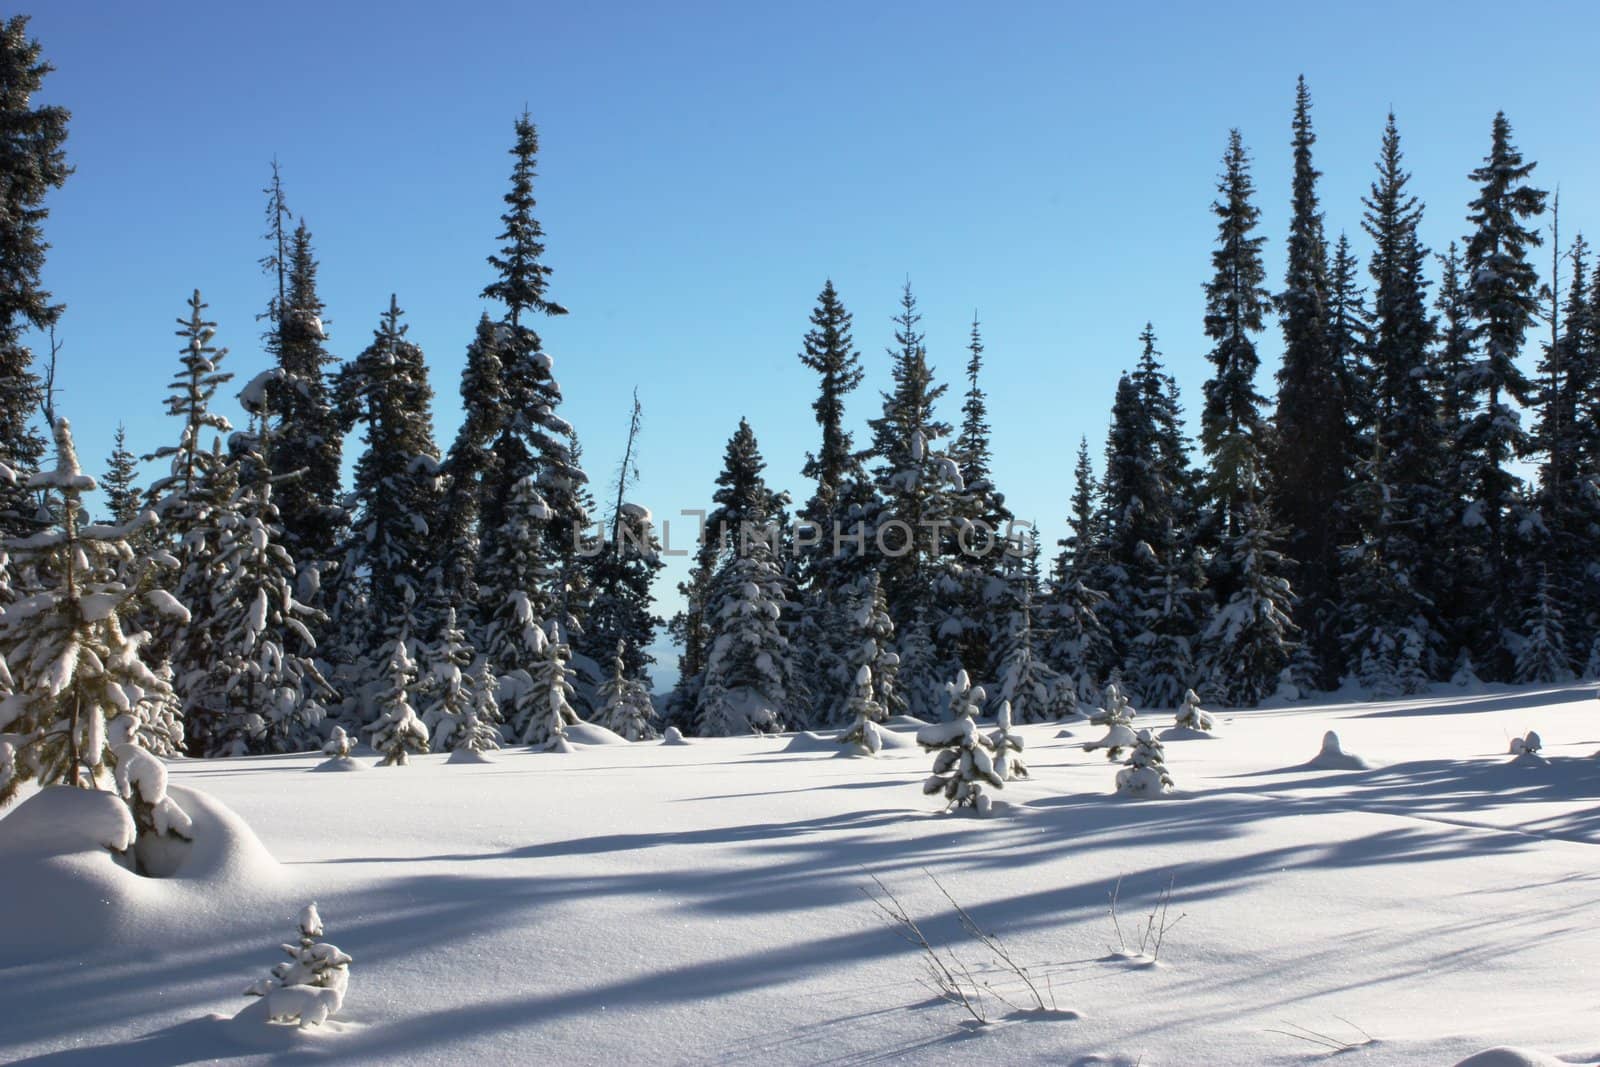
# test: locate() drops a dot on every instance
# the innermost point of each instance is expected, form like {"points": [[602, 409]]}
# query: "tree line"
{"points": [[1372, 525]]}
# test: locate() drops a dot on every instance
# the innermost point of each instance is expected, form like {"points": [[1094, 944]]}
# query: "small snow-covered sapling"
{"points": [[965, 760], [338, 745], [864, 733], [1192, 716], [311, 985], [1528, 745], [1117, 715], [1145, 771], [398, 731], [1007, 746]]}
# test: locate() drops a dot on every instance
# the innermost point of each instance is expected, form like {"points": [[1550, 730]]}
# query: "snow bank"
{"points": [[61, 875], [1506, 1056]]}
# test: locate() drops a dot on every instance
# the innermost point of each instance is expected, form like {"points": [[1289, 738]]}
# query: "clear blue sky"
{"points": [[705, 166]]}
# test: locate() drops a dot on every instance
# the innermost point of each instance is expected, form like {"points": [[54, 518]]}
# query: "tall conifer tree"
{"points": [[1309, 473], [1502, 295], [32, 162]]}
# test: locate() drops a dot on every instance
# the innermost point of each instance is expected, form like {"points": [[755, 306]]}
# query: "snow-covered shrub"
{"points": [[1007, 746], [397, 730], [625, 705], [867, 713], [141, 781], [965, 759], [1145, 770], [1528, 745], [308, 988], [1117, 715], [1192, 716]]}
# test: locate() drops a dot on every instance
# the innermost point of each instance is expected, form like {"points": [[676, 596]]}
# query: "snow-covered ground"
{"points": [[705, 902]]}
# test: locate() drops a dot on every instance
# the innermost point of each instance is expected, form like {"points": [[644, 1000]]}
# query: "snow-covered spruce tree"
{"points": [[1458, 569], [866, 713], [1192, 716], [690, 630], [913, 479], [394, 538], [1501, 293], [1391, 631], [1161, 661], [743, 525], [1027, 685], [1309, 465], [187, 495], [397, 731], [308, 988], [1143, 563], [980, 523], [32, 162], [1251, 637], [623, 608], [338, 745], [1078, 643], [1569, 506], [1247, 640], [522, 579], [541, 706], [305, 438], [749, 676], [261, 690], [122, 495], [965, 760], [479, 729], [1007, 746], [1117, 715], [78, 686], [918, 662], [826, 571], [625, 705], [1542, 655], [874, 634], [1145, 773], [467, 466], [455, 718], [533, 445]]}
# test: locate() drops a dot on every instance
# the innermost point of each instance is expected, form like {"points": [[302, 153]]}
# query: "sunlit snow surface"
{"points": [[665, 904]]}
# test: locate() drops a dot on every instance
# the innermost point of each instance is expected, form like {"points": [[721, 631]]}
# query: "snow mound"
{"points": [[1506, 1056], [1333, 757], [1186, 733], [60, 872], [340, 763], [468, 755], [811, 741], [588, 733], [1064, 733], [673, 736]]}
